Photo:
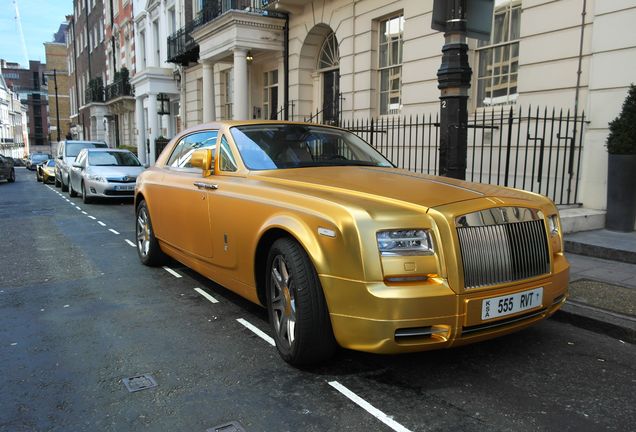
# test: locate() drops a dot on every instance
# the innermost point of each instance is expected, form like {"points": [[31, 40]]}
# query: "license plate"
{"points": [[125, 188], [512, 303]]}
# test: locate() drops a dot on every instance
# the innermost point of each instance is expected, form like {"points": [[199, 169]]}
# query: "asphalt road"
{"points": [[79, 313]]}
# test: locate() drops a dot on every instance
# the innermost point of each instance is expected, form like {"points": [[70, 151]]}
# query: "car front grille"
{"points": [[504, 252], [121, 179]]}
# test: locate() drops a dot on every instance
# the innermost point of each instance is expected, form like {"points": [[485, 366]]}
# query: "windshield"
{"points": [[112, 158], [50, 163], [73, 148], [40, 157], [276, 146]]}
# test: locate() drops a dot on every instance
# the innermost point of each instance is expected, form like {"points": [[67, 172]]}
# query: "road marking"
{"points": [[78, 208], [368, 407], [113, 231], [206, 295], [257, 331], [92, 217], [14, 344], [83, 212], [101, 223], [66, 199], [172, 272], [130, 243], [67, 306]]}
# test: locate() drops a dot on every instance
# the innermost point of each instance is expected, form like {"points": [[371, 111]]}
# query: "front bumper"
{"points": [[48, 178], [385, 319], [109, 189]]}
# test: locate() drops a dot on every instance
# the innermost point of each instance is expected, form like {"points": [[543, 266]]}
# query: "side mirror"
{"points": [[77, 165], [204, 159], [60, 157]]}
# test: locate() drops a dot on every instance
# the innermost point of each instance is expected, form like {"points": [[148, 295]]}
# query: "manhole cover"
{"points": [[232, 426], [141, 382]]}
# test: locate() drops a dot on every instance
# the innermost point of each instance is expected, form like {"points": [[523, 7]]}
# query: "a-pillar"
{"points": [[141, 130], [241, 85], [153, 126], [209, 105]]}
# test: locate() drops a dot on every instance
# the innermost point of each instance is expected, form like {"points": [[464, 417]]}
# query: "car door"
{"points": [[75, 176], [183, 220]]}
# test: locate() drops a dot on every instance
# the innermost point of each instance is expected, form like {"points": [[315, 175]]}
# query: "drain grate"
{"points": [[138, 383], [232, 426]]}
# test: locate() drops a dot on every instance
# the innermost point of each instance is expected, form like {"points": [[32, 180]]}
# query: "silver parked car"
{"points": [[104, 173], [67, 151]]}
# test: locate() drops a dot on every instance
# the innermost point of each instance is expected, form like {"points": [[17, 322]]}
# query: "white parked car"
{"points": [[104, 173]]}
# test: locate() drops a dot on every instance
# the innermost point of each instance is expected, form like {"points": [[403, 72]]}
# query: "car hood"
{"points": [[115, 171], [386, 184]]}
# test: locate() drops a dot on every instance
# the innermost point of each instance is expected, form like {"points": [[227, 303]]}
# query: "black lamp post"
{"points": [[57, 105]]}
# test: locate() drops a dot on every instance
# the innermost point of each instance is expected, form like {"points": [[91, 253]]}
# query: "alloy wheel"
{"points": [[283, 300], [143, 232]]}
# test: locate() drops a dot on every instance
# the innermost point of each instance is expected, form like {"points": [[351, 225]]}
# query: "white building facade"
{"points": [[157, 92], [14, 137], [376, 59]]}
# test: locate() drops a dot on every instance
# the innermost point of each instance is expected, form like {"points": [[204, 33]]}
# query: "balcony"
{"points": [[118, 89], [182, 48], [95, 91]]}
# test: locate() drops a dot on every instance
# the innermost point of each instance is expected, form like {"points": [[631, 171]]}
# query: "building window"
{"points": [[390, 49], [270, 95], [499, 57], [228, 80]]}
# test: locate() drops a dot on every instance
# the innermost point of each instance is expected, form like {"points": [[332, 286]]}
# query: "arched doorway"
{"points": [[329, 67], [319, 76]]}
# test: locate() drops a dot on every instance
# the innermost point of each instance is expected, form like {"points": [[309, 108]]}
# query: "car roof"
{"points": [[105, 149]]}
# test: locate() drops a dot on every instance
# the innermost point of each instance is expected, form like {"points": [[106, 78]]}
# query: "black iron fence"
{"points": [[119, 88], [538, 150]]}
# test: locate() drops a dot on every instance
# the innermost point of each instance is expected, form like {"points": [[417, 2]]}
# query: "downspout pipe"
{"points": [[286, 66], [579, 70]]}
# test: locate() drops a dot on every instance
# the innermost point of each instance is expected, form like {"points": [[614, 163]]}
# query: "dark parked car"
{"points": [[6, 169], [37, 158], [19, 162]]}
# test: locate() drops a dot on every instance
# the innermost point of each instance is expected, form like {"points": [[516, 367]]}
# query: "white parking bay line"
{"points": [[172, 272], [78, 208], [83, 212], [92, 217], [101, 223], [113, 231], [368, 407], [130, 243], [257, 331], [206, 295]]}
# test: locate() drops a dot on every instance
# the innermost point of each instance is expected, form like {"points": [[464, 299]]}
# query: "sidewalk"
{"points": [[602, 283]]}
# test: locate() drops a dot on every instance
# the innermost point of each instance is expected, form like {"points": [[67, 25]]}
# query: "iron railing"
{"points": [[538, 150], [94, 94], [119, 88]]}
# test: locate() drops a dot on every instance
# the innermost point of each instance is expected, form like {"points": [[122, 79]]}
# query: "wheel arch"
{"points": [[284, 227]]}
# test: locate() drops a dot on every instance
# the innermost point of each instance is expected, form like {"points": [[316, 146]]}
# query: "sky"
{"points": [[40, 20]]}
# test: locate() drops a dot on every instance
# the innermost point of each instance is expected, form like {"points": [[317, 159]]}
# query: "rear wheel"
{"points": [[296, 305], [148, 248], [57, 182], [37, 176]]}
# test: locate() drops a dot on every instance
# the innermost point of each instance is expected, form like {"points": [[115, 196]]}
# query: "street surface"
{"points": [[79, 313]]}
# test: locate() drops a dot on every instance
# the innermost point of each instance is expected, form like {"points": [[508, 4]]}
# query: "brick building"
{"points": [[87, 70], [30, 86], [58, 84]]}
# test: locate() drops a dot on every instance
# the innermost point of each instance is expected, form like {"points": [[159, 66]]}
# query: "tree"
{"points": [[622, 136]]}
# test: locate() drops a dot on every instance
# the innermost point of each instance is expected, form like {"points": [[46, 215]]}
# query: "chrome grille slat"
{"points": [[504, 252]]}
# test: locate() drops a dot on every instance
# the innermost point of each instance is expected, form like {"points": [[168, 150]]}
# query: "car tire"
{"points": [[71, 192], [11, 178], [85, 198], [37, 176], [64, 187], [148, 247], [296, 306], [57, 182]]}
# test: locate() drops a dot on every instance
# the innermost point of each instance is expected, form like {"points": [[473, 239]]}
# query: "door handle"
{"points": [[209, 186]]}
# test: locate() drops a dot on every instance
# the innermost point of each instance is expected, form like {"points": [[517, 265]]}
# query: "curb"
{"points": [[596, 251], [615, 325]]}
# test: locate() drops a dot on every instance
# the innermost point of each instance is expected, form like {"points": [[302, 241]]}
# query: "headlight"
{"points": [[405, 242], [97, 178], [553, 223]]}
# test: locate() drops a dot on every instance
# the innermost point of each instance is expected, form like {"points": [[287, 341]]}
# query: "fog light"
{"points": [[93, 190]]}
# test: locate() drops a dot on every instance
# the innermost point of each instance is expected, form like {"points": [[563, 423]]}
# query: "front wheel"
{"points": [[11, 178], [148, 248], [71, 191], [64, 186], [296, 305], [85, 198]]}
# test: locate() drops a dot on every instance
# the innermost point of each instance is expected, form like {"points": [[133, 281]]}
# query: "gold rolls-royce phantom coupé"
{"points": [[342, 247]]}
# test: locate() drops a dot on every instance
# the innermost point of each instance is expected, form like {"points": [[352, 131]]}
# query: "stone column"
{"points": [[209, 104], [141, 129], [241, 85], [153, 126]]}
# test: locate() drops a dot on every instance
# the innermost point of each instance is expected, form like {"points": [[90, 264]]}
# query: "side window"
{"points": [[180, 157], [226, 161]]}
